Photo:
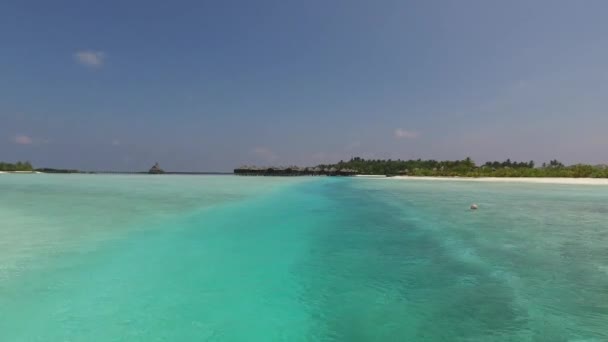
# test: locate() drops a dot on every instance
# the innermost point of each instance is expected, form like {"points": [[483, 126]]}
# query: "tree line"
{"points": [[27, 166], [18, 166], [468, 168]]}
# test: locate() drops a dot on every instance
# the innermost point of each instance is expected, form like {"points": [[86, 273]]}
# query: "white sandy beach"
{"points": [[538, 180], [20, 172]]}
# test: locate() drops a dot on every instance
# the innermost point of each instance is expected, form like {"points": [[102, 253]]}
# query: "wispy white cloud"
{"points": [[23, 140], [401, 133], [115, 142], [93, 59], [264, 153]]}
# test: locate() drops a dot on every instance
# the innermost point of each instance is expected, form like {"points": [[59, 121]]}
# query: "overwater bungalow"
{"points": [[292, 171], [156, 169]]}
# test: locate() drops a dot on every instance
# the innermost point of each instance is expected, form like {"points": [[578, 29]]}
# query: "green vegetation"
{"points": [[18, 166], [49, 170], [468, 168], [27, 166]]}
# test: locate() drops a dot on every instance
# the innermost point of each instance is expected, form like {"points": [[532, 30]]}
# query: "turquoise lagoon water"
{"points": [[223, 258]]}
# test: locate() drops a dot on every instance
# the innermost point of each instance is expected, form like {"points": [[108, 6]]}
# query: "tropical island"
{"points": [[16, 167], [433, 168], [26, 167]]}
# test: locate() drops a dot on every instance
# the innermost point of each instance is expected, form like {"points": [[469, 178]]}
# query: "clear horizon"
{"points": [[206, 86]]}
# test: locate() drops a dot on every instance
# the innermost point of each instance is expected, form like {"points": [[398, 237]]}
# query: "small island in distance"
{"points": [[26, 167]]}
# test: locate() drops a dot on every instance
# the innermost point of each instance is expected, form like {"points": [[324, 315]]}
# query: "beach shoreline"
{"points": [[535, 180], [20, 172]]}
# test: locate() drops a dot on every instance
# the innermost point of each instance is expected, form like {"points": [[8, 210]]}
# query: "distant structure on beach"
{"points": [[292, 171], [155, 170]]}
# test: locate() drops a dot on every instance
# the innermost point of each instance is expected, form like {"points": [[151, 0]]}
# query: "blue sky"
{"points": [[210, 85]]}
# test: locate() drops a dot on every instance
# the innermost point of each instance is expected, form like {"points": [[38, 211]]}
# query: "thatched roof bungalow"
{"points": [[291, 171], [155, 170]]}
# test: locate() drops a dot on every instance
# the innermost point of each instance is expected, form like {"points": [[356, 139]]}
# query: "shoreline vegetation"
{"points": [[468, 168], [26, 167], [16, 167], [465, 168]]}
